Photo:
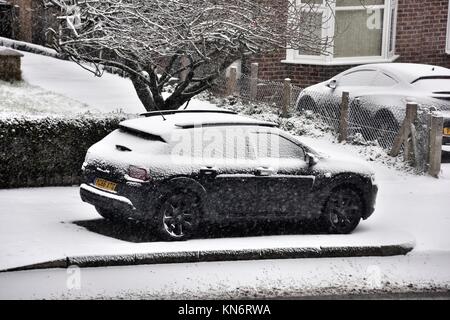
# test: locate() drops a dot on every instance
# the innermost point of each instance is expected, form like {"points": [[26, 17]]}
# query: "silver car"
{"points": [[386, 88]]}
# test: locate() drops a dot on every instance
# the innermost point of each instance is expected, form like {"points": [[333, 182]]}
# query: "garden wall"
{"points": [[40, 151]]}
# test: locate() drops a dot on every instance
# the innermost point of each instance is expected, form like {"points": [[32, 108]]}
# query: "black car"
{"points": [[176, 170]]}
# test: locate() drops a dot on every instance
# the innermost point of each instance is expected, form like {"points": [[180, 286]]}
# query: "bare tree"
{"points": [[154, 41]]}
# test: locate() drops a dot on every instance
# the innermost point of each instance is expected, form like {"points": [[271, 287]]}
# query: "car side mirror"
{"points": [[311, 159], [332, 84]]}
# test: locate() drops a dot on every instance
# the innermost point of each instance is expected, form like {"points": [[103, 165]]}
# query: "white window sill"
{"points": [[337, 62]]}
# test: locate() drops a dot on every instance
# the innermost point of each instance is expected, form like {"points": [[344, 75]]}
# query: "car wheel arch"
{"points": [[181, 183], [340, 181], [306, 102]]}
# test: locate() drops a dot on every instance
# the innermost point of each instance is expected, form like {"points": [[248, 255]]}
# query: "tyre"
{"points": [[342, 211], [108, 214], [386, 128], [306, 103], [178, 215]]}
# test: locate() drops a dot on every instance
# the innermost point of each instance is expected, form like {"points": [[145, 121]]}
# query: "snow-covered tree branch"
{"points": [[154, 41]]}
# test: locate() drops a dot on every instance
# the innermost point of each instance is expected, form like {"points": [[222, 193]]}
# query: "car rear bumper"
{"points": [[446, 140], [104, 199]]}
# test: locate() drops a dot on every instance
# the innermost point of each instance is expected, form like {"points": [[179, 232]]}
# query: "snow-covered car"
{"points": [[179, 170], [387, 87]]}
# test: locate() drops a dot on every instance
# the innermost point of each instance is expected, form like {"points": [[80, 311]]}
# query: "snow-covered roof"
{"points": [[156, 125], [411, 71]]}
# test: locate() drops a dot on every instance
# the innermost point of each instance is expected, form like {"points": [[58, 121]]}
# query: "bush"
{"points": [[40, 151]]}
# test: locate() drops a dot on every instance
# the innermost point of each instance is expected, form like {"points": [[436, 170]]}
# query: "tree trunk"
{"points": [[144, 93]]}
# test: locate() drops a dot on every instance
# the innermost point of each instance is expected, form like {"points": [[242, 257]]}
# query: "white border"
{"points": [[447, 46]]}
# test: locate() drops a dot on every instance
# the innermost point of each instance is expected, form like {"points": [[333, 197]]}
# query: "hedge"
{"points": [[40, 151]]}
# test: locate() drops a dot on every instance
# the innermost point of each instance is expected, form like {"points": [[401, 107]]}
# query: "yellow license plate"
{"points": [[105, 185], [447, 131]]}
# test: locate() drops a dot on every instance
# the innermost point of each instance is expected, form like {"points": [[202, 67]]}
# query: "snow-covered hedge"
{"points": [[48, 150]]}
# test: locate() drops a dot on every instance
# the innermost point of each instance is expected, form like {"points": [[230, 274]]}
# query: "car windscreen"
{"points": [[433, 84]]}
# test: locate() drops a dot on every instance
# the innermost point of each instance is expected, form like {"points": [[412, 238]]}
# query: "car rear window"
{"points": [[435, 84], [137, 142]]}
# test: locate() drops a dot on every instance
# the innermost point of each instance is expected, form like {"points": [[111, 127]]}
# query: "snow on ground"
{"points": [[108, 93], [27, 99]]}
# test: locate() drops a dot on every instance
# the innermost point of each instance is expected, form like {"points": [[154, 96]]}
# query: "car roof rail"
{"points": [[169, 112], [224, 123]]}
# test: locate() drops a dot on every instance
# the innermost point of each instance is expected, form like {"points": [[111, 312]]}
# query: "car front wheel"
{"points": [[178, 215], [387, 128], [343, 210]]}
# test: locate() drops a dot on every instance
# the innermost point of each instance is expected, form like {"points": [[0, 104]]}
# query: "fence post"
{"points": [[436, 128], [343, 118], [287, 96], [232, 81], [414, 149], [254, 81], [405, 129]]}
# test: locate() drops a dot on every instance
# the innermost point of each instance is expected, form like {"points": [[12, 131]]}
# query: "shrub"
{"points": [[48, 150]]}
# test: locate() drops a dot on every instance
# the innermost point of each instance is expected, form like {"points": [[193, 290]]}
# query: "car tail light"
{"points": [[138, 173]]}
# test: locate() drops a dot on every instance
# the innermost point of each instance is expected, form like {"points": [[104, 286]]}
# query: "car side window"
{"points": [[358, 78], [215, 143], [383, 80], [269, 145]]}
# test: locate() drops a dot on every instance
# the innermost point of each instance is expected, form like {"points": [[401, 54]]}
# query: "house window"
{"points": [[448, 30], [357, 31]]}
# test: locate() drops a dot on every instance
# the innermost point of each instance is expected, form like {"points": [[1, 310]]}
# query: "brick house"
{"points": [[380, 31], [416, 31]]}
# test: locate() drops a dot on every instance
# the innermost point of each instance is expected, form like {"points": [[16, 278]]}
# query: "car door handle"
{"points": [[264, 172]]}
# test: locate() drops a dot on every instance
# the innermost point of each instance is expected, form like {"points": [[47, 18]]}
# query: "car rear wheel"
{"points": [[342, 212], [107, 214], [178, 215]]}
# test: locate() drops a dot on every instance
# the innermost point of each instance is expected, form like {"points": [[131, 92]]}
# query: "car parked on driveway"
{"points": [[179, 170], [385, 88]]}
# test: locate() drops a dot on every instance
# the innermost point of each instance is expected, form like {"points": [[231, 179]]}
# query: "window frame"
{"points": [[390, 9]]}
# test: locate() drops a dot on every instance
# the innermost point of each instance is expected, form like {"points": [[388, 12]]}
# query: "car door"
{"points": [[282, 176], [227, 171]]}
